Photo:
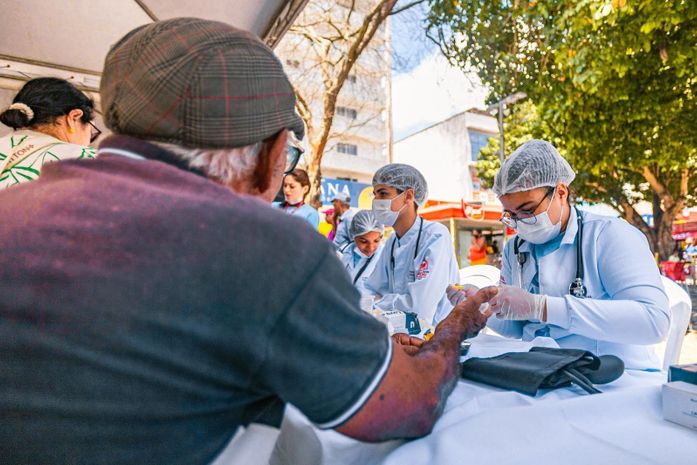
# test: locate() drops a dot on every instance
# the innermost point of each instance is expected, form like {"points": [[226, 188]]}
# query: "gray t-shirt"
{"points": [[146, 313]]}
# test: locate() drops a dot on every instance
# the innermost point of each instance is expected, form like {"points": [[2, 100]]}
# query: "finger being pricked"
{"points": [[481, 297]]}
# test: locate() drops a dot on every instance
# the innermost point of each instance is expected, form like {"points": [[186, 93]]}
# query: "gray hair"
{"points": [[227, 166]]}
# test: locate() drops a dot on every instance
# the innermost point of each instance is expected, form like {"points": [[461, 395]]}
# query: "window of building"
{"points": [[478, 140], [346, 112], [351, 78], [293, 63], [348, 149]]}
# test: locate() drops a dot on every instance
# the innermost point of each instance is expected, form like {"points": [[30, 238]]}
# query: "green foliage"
{"points": [[614, 84], [521, 125]]}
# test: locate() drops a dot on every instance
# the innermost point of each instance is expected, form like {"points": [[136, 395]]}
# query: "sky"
{"points": [[426, 89]]}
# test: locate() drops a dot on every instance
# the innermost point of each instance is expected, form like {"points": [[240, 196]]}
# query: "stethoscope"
{"points": [[576, 288], [416, 252]]}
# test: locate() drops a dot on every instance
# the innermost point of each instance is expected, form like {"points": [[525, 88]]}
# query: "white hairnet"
{"points": [[403, 177], [364, 222], [536, 163]]}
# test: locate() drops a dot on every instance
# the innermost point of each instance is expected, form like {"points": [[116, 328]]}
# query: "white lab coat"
{"points": [[354, 263], [626, 308], [416, 284]]}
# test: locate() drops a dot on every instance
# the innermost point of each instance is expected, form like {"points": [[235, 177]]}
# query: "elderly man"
{"points": [[142, 318]]}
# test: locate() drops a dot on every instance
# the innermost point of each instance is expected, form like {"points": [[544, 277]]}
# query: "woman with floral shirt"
{"points": [[51, 121]]}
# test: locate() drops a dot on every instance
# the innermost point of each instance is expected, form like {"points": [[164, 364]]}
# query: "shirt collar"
{"points": [[571, 228], [411, 233]]}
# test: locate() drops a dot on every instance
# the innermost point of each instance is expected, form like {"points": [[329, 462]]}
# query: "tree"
{"points": [[334, 37], [613, 83]]}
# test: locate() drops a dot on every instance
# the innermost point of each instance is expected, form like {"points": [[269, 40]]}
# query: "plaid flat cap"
{"points": [[196, 83]]}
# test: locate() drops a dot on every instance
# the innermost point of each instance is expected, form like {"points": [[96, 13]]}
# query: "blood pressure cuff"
{"points": [[543, 368]]}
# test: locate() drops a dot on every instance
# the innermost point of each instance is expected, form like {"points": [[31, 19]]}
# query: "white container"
{"points": [[680, 403]]}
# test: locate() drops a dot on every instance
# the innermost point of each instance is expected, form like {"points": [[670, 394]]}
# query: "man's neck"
{"points": [[405, 221]]}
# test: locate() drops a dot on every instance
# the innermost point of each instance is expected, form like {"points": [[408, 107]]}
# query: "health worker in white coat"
{"points": [[361, 254], [588, 281], [418, 262]]}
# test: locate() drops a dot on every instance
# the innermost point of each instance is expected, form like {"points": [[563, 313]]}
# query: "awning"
{"points": [[685, 226], [71, 39], [474, 216]]}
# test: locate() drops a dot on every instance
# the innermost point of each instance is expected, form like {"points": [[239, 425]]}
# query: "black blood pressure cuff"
{"points": [[544, 368]]}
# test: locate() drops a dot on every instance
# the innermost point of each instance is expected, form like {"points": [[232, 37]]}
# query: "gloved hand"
{"points": [[514, 303], [457, 293], [467, 314]]}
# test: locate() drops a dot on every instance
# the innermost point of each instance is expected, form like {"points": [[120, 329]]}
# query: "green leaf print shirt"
{"points": [[24, 152]]}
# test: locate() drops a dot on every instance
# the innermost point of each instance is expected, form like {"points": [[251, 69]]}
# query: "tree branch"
{"points": [[405, 7], [659, 188]]}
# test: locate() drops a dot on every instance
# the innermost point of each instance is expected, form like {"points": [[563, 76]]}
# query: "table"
{"points": [[486, 425]]}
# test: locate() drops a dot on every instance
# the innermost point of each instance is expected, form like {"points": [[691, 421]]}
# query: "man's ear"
{"points": [[409, 195], [271, 150], [563, 191]]}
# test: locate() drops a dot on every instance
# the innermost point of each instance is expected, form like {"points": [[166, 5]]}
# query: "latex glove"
{"points": [[514, 303], [468, 315], [457, 293]]}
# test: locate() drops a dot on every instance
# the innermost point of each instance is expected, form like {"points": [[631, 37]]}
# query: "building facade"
{"points": [[361, 135], [446, 153]]}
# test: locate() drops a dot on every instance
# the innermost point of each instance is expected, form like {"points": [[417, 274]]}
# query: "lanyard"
{"points": [[360, 272], [416, 252], [297, 206]]}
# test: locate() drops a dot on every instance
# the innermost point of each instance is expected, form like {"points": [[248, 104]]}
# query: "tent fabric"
{"points": [[76, 37]]}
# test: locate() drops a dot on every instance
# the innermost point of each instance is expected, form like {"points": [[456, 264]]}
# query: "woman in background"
{"points": [[52, 120], [296, 185], [330, 218], [360, 255]]}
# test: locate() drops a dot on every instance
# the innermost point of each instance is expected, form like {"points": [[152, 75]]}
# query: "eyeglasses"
{"points": [[293, 156], [524, 216], [95, 132]]}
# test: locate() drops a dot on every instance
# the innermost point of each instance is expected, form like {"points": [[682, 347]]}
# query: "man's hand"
{"points": [[468, 315], [410, 344], [421, 376]]}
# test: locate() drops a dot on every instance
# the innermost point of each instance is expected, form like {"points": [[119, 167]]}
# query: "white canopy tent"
{"points": [[70, 38]]}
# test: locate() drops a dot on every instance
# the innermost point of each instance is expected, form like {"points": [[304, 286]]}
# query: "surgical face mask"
{"points": [[294, 201], [382, 209], [360, 254], [543, 230]]}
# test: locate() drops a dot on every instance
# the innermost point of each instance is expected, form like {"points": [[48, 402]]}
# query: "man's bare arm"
{"points": [[412, 395]]}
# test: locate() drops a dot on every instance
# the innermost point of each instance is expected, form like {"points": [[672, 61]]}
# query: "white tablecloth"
{"points": [[485, 425]]}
